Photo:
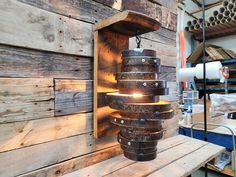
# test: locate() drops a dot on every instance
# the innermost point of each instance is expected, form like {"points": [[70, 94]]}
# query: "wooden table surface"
{"points": [[177, 156]]}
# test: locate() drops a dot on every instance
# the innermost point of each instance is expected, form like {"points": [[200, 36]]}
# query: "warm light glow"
{"points": [[137, 95]]}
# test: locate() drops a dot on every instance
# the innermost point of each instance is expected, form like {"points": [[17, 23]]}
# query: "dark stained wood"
{"points": [[85, 10], [128, 19], [73, 96], [21, 62]]}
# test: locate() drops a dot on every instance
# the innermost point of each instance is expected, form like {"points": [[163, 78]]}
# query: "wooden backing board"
{"points": [[111, 37]]}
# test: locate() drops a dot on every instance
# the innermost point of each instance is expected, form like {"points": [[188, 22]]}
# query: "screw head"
{"points": [[156, 84], [114, 120], [144, 84], [119, 140], [122, 121], [143, 60], [129, 143], [155, 61]]}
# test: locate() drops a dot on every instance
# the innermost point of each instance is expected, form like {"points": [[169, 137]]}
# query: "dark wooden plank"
{"points": [[21, 62], [73, 96], [86, 10]]}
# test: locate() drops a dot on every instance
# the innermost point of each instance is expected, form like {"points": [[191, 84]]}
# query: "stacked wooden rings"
{"points": [[140, 112]]}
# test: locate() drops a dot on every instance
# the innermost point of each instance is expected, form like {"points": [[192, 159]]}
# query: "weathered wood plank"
{"points": [[28, 26], [85, 10], [76, 163], [92, 11], [31, 158], [170, 4], [164, 158], [168, 73], [119, 162], [168, 57], [169, 19], [190, 163], [163, 36], [73, 96], [25, 99], [22, 134], [21, 62]]}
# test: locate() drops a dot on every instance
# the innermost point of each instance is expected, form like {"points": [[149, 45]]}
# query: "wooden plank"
{"points": [[28, 26], [33, 63], [85, 10], [164, 158], [31, 158], [25, 99], [73, 96], [107, 58], [91, 11], [168, 57], [163, 36], [76, 163], [169, 19], [146, 7], [116, 163], [170, 4], [190, 163], [27, 133], [168, 73]]}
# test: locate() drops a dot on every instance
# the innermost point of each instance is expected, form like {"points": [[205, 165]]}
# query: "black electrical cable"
{"points": [[204, 75]]}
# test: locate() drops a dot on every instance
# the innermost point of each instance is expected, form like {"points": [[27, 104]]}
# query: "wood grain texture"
{"points": [[170, 4], [25, 99], [119, 162], [164, 158], [27, 133], [107, 57], [186, 165], [147, 7], [73, 96], [21, 62], [28, 26], [85, 10], [76, 163], [31, 158]]}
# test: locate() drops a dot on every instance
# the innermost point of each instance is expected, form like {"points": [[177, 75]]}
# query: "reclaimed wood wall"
{"points": [[46, 81]]}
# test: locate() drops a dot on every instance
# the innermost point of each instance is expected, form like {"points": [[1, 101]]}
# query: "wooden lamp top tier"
{"points": [[127, 23]]}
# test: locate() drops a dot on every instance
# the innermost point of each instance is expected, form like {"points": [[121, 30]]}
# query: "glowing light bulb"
{"points": [[138, 95]]}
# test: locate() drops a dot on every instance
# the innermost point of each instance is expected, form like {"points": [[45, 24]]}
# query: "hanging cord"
{"points": [[138, 38]]}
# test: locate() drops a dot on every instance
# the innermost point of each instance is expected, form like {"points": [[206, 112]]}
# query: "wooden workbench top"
{"points": [[177, 156]]}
